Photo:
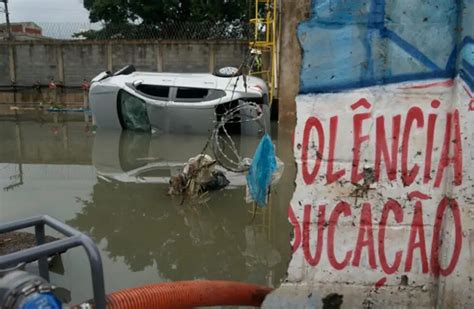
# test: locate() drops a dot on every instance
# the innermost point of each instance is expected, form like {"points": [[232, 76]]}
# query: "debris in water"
{"points": [[198, 176], [217, 182]]}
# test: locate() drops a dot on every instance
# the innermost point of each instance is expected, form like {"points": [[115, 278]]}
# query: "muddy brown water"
{"points": [[113, 185]]}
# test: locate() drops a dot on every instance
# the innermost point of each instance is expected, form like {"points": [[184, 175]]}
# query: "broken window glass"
{"points": [[132, 112]]}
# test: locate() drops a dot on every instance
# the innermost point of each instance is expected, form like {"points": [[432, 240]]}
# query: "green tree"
{"points": [[152, 12]]}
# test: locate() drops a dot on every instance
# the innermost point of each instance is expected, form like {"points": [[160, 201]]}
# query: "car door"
{"points": [[156, 91]]}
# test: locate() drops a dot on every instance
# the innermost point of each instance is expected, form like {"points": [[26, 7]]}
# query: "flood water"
{"points": [[113, 186]]}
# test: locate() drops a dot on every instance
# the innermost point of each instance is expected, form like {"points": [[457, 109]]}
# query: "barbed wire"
{"points": [[221, 141], [230, 116]]}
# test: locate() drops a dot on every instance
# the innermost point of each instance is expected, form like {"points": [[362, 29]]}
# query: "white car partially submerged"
{"points": [[177, 102]]}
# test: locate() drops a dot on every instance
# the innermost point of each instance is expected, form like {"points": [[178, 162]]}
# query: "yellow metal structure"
{"points": [[263, 48], [263, 44]]}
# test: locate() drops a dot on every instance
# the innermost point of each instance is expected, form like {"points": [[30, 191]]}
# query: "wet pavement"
{"points": [[113, 186]]}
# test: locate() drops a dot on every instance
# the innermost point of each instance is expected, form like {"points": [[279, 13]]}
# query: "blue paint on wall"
{"points": [[356, 43], [467, 61]]}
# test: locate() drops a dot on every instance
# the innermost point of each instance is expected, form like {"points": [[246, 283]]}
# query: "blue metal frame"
{"points": [[42, 250]]}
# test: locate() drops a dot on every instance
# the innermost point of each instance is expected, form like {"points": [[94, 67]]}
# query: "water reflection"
{"points": [[130, 210], [29, 143], [91, 182], [145, 158], [17, 178]]}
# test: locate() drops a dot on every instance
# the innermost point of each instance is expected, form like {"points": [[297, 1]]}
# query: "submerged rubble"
{"points": [[198, 176]]}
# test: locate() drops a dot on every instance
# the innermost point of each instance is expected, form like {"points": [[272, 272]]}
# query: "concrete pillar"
{"points": [[109, 57], [159, 58], [12, 69], [85, 104], [212, 57], [11, 62], [60, 62], [292, 13]]}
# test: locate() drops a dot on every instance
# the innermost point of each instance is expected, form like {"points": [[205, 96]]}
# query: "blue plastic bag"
{"points": [[261, 170]]}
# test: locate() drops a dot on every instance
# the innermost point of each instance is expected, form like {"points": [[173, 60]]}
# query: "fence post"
{"points": [[212, 57], [59, 92], [159, 58], [60, 61], [12, 69], [12, 64], [85, 103], [42, 262], [109, 56]]}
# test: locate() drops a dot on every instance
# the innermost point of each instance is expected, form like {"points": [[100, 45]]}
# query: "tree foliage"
{"points": [[152, 12]]}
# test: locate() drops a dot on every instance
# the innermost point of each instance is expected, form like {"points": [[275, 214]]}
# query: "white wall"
{"points": [[358, 231]]}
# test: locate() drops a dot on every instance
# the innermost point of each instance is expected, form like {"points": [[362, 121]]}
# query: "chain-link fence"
{"points": [[66, 31], [165, 31]]}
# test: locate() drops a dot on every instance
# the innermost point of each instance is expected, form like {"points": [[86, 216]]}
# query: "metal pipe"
{"points": [[7, 17], [20, 224], [43, 250], [61, 227], [42, 262], [35, 253], [97, 270]]}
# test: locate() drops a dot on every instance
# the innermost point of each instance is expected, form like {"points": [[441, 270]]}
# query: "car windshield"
{"points": [[132, 112]]}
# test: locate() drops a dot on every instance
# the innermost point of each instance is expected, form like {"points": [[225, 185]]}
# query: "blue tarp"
{"points": [[260, 174]]}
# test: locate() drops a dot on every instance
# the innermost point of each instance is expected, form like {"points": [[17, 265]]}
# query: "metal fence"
{"points": [[66, 31], [166, 31]]}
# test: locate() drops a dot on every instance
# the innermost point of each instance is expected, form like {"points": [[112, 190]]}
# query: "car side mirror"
{"points": [[137, 83]]}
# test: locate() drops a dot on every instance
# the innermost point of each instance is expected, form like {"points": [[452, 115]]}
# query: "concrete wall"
{"points": [[292, 13], [4, 65], [72, 62], [83, 61], [382, 211], [186, 58], [36, 63], [350, 44]]}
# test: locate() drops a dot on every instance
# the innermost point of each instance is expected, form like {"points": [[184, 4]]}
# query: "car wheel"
{"points": [[227, 72]]}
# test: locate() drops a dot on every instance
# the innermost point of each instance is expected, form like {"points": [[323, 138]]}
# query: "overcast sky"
{"points": [[46, 11]]}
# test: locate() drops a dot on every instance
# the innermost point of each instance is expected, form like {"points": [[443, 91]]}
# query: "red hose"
{"points": [[189, 294]]}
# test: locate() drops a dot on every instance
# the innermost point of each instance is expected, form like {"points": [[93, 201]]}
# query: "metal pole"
{"points": [[7, 16], [42, 261]]}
